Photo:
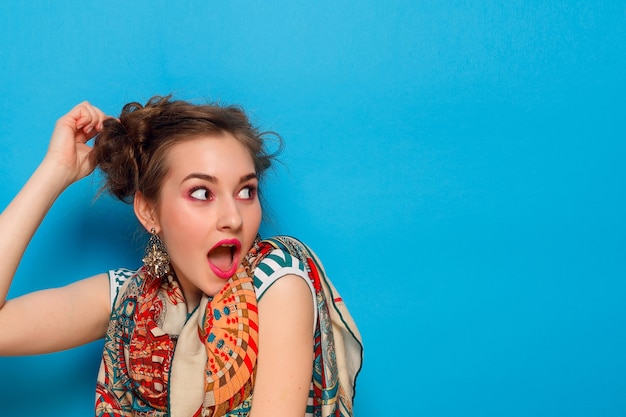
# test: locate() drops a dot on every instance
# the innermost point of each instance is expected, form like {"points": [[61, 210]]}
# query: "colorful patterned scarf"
{"points": [[160, 361]]}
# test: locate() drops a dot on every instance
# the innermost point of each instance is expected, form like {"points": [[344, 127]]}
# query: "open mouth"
{"points": [[223, 258]]}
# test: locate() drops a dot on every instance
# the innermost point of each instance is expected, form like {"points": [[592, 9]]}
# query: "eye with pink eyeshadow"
{"points": [[200, 193], [247, 193]]}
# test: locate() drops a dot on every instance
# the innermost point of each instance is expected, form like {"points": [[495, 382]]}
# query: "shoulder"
{"points": [[120, 275], [286, 264], [277, 264], [117, 278]]}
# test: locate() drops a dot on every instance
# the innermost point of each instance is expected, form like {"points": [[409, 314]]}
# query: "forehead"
{"points": [[211, 154]]}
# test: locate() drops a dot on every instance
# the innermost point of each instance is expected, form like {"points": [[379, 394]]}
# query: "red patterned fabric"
{"points": [[147, 321], [160, 361]]}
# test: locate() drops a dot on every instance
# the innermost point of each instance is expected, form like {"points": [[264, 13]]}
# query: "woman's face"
{"points": [[208, 211]]}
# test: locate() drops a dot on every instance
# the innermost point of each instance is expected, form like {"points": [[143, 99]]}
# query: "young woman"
{"points": [[217, 322]]}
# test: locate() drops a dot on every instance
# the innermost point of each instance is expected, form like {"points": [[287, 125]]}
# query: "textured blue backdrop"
{"points": [[464, 159]]}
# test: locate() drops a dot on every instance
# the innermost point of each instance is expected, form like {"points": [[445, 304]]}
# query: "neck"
{"points": [[192, 296]]}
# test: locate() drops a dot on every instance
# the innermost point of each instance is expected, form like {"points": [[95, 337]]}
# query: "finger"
{"points": [[89, 120], [81, 115], [97, 122], [100, 117], [92, 121]]}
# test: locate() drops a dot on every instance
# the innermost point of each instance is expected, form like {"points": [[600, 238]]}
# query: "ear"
{"points": [[146, 213]]}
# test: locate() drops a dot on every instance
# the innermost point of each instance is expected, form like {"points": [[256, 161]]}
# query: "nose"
{"points": [[229, 217]]}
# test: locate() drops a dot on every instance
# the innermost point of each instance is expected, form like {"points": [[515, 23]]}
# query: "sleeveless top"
{"points": [[276, 265], [211, 353]]}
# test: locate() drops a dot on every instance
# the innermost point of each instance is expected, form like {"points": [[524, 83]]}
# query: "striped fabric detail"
{"points": [[276, 265], [117, 278]]}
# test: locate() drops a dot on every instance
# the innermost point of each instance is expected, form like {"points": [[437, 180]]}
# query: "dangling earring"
{"points": [[156, 258]]}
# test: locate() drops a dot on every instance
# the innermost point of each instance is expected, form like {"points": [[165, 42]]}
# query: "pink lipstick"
{"points": [[224, 257]]}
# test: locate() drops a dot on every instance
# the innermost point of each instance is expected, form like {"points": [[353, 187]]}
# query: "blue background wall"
{"points": [[465, 160]]}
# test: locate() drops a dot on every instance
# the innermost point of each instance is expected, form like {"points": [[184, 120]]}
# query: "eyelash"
{"points": [[196, 189], [252, 189]]}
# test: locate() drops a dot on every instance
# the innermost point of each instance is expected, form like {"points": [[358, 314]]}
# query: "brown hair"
{"points": [[131, 151]]}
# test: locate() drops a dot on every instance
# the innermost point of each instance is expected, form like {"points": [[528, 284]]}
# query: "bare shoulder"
{"points": [[286, 320], [285, 360], [289, 292]]}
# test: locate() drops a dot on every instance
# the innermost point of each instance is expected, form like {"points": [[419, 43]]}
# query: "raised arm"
{"points": [[66, 161]]}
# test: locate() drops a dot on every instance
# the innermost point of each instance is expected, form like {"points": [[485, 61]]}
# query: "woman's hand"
{"points": [[67, 161], [68, 147]]}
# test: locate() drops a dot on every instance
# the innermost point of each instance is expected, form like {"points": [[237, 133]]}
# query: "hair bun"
{"points": [[131, 151]]}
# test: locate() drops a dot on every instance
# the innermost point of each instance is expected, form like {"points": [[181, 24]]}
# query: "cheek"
{"points": [[252, 220], [256, 215], [179, 224]]}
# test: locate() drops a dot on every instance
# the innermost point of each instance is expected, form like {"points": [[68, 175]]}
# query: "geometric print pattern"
{"points": [[149, 320]]}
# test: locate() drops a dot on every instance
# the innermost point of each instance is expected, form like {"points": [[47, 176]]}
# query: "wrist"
{"points": [[57, 175]]}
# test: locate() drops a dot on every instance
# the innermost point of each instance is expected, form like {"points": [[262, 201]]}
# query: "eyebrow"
{"points": [[213, 180]]}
